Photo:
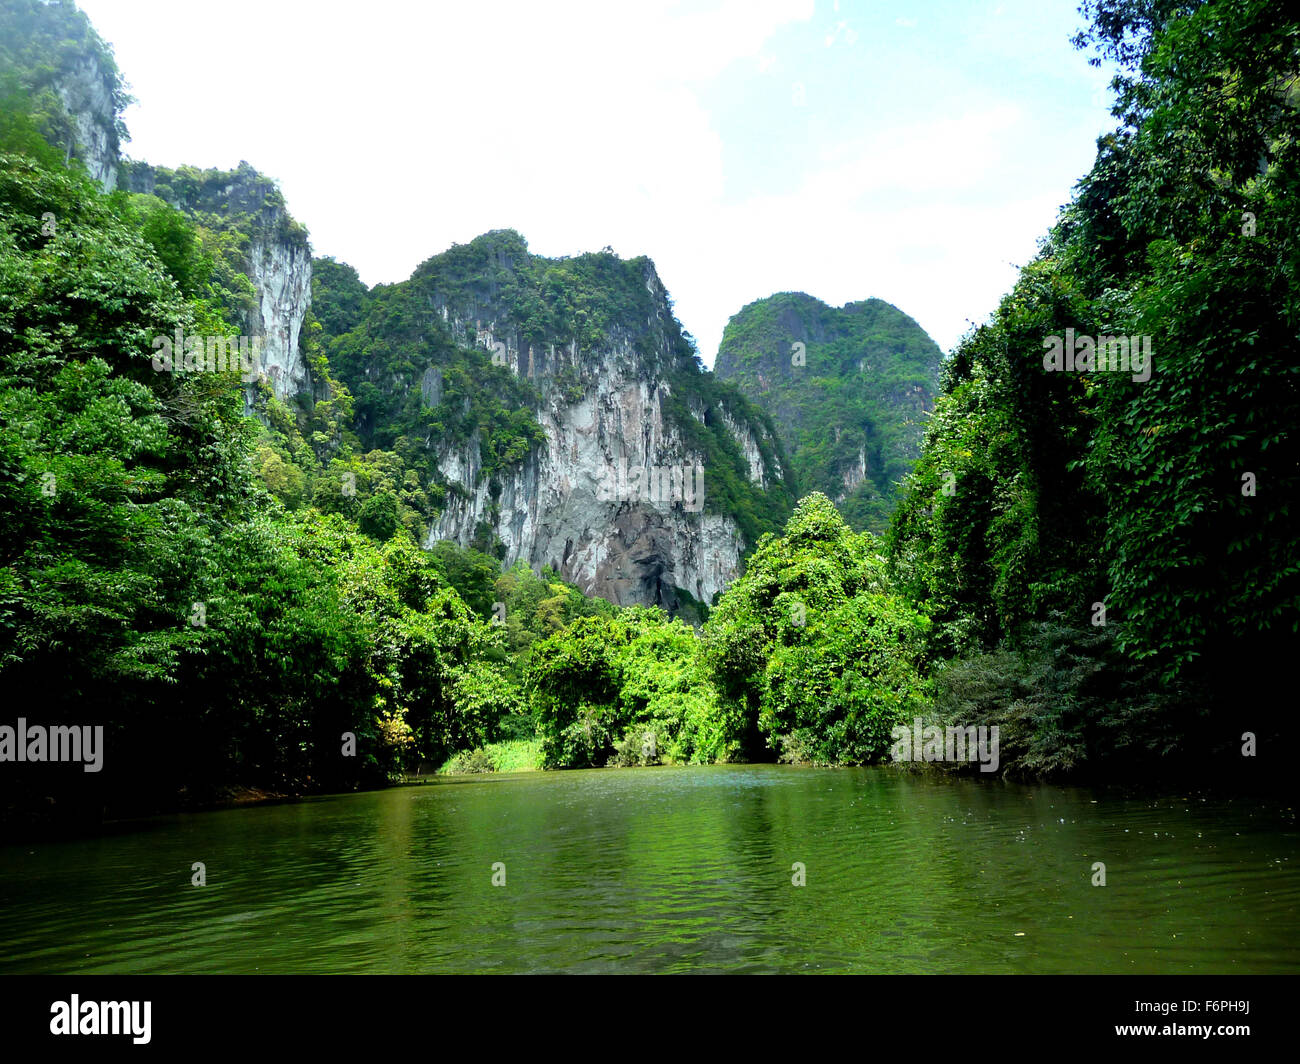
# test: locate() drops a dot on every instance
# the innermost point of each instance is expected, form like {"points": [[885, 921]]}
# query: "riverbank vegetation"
{"points": [[1104, 567], [1111, 562]]}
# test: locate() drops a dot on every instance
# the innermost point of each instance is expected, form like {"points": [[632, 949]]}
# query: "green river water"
{"points": [[672, 870]]}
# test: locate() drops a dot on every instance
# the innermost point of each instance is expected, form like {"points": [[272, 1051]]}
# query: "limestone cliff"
{"points": [[575, 503], [274, 254], [68, 82], [646, 478], [86, 92]]}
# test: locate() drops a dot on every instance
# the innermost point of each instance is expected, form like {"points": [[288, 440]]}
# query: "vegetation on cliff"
{"points": [[1101, 563], [411, 356], [848, 389]]}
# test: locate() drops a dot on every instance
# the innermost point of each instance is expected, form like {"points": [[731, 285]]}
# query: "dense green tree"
{"points": [[812, 652], [148, 582], [626, 689], [1145, 519]]}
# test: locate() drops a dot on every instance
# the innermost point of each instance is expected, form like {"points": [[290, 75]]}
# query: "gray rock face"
{"points": [[281, 273], [279, 258], [278, 261], [431, 386], [610, 500], [87, 97]]}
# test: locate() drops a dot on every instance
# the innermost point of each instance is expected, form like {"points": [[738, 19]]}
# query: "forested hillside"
{"points": [[1111, 553], [401, 552], [847, 387]]}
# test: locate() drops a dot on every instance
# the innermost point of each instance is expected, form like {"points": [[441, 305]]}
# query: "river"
{"points": [[672, 870]]}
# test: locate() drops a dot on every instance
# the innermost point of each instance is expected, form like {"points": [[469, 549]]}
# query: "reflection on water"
{"points": [[672, 870]]}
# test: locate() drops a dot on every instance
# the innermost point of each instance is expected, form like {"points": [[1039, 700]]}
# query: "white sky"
{"points": [[914, 150]]}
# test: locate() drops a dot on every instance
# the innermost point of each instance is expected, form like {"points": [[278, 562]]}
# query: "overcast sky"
{"points": [[914, 151]]}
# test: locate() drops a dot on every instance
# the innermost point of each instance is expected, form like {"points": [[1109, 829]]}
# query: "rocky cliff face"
{"points": [[86, 92], [280, 270], [592, 501], [69, 80], [643, 484], [276, 258]]}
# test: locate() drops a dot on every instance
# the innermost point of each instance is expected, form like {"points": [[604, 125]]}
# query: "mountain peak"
{"points": [[846, 388]]}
